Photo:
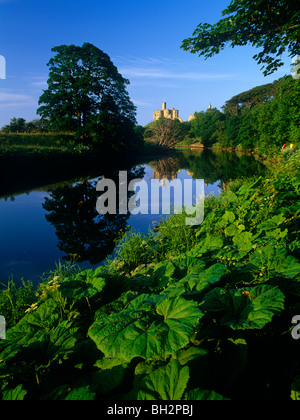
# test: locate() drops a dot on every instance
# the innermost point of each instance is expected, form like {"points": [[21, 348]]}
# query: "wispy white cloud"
{"points": [[40, 84], [145, 69], [10, 99], [142, 61], [156, 73], [7, 97], [138, 102], [39, 81]]}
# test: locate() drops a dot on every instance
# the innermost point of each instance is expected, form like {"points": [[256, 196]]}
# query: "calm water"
{"points": [[39, 228]]}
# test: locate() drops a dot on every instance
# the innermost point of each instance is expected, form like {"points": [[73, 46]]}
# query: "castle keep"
{"points": [[166, 113]]}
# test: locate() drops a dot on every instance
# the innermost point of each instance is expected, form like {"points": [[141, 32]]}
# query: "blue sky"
{"points": [[142, 38]]}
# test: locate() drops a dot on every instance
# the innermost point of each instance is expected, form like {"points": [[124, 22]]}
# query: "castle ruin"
{"points": [[166, 113]]}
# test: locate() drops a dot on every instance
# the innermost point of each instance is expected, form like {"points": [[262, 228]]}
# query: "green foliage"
{"points": [[261, 119], [19, 125], [150, 326], [166, 383], [36, 140], [15, 300], [274, 28], [83, 285], [210, 322], [17, 394], [204, 125], [87, 95], [245, 308], [134, 250]]}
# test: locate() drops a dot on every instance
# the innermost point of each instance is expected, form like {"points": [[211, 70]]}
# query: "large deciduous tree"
{"points": [[270, 25], [86, 93]]}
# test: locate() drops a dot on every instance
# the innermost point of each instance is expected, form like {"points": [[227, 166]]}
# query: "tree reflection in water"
{"points": [[210, 165], [83, 234]]}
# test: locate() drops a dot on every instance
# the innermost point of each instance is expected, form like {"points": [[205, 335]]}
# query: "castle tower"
{"points": [[166, 113], [175, 113]]}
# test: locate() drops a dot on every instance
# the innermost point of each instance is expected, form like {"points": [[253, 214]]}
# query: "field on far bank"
{"points": [[30, 142]]}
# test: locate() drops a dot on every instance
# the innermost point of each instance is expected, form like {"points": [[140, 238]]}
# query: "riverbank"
{"points": [[267, 159], [42, 144], [263, 156], [30, 161], [205, 304]]}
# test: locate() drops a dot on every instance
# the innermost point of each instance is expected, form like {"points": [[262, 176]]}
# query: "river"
{"points": [[39, 228]]}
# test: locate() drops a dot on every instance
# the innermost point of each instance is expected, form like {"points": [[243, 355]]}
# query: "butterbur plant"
{"points": [[205, 321]]}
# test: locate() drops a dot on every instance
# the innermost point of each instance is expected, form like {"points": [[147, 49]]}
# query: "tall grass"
{"points": [[173, 238], [35, 139], [15, 300]]}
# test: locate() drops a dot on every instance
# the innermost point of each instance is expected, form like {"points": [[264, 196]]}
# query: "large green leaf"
{"points": [[37, 322], [197, 283], [243, 240], [192, 265], [81, 394], [154, 279], [213, 242], [210, 276], [83, 285], [56, 345], [272, 223], [150, 326], [40, 352], [204, 395], [245, 308], [167, 383], [229, 217], [104, 381], [295, 391], [186, 355], [17, 394], [164, 271], [275, 261]]}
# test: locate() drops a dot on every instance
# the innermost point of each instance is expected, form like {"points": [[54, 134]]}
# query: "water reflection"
{"points": [[83, 234], [61, 221], [210, 165]]}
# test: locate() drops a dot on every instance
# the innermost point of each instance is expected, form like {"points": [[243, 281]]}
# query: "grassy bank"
{"points": [[30, 143], [35, 142], [188, 313], [29, 161]]}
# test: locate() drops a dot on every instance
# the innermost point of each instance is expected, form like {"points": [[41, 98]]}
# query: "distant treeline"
{"points": [[261, 119], [19, 125]]}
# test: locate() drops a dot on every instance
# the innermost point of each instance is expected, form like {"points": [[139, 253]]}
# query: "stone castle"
{"points": [[171, 114], [166, 113]]}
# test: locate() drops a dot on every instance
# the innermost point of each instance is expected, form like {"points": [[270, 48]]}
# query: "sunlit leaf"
{"points": [[245, 308], [149, 327], [167, 383]]}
